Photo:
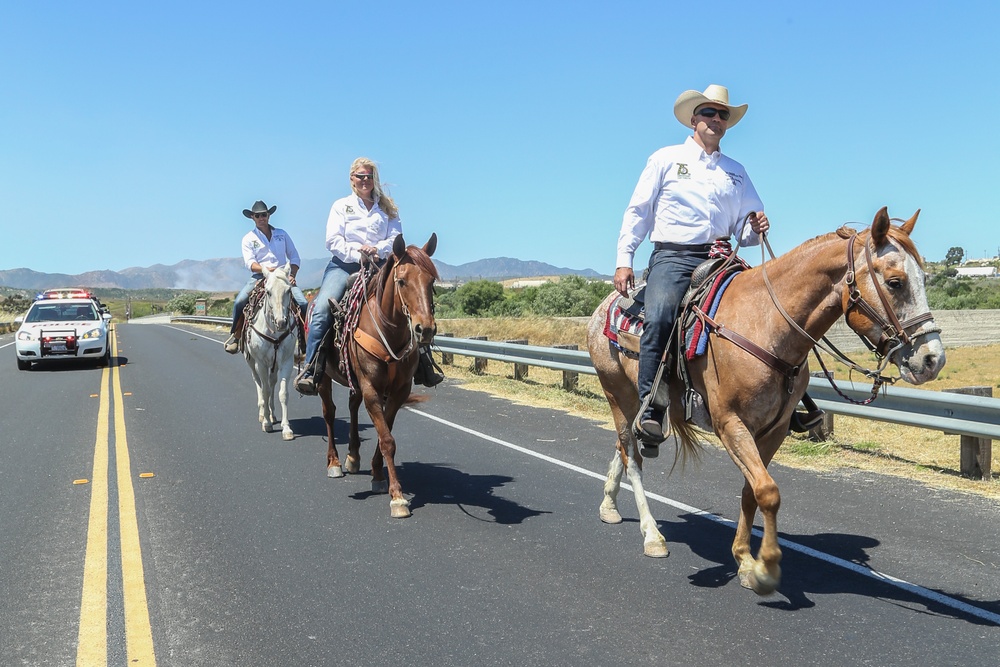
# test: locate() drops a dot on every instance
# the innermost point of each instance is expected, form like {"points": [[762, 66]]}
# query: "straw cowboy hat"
{"points": [[690, 100], [261, 207]]}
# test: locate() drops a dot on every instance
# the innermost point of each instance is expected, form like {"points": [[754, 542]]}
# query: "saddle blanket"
{"points": [[624, 323], [696, 336]]}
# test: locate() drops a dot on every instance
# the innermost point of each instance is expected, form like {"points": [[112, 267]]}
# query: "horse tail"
{"points": [[689, 444]]}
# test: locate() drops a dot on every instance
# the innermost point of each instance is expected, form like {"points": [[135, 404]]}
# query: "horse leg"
{"points": [[283, 382], [654, 544], [763, 574], [259, 381], [353, 462], [383, 418], [333, 468]]}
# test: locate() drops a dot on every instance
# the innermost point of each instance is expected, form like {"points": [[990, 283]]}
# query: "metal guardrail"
{"points": [[201, 319], [958, 414]]}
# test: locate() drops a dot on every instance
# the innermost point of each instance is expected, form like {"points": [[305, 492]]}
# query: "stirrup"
{"points": [[428, 373], [305, 383], [803, 422]]}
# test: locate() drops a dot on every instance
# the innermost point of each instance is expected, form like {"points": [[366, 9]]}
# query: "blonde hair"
{"points": [[385, 202]]}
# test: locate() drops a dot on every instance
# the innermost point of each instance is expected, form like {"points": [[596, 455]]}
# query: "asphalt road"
{"points": [[245, 552]]}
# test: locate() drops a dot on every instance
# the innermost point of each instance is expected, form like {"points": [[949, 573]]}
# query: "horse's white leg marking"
{"points": [[612, 485], [653, 542]]}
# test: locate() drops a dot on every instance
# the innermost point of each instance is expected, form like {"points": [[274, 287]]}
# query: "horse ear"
{"points": [[908, 225], [431, 245], [399, 247], [880, 227]]}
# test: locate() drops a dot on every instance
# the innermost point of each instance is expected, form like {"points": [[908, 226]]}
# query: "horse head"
{"points": [[278, 287], [886, 302], [413, 276]]}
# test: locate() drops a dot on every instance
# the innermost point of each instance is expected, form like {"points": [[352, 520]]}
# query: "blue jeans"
{"points": [[244, 296], [333, 288], [669, 277]]}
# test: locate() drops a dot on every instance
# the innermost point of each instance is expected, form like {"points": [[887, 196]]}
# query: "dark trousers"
{"points": [[669, 277]]}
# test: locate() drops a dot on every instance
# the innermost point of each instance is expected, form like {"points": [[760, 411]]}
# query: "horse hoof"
{"points": [[610, 515], [761, 582], [656, 548], [287, 435], [380, 486], [399, 509], [353, 466], [334, 471], [265, 427]]}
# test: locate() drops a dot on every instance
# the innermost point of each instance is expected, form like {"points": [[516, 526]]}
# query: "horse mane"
{"points": [[897, 235]]}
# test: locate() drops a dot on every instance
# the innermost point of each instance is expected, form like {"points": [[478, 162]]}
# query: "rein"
{"points": [[381, 315]]}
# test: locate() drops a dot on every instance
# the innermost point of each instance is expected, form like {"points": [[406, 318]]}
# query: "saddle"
{"points": [[626, 316]]}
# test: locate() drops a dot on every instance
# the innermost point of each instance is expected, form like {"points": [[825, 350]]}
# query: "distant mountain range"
{"points": [[228, 274]]}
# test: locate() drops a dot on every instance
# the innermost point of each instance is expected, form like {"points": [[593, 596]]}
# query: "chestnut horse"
{"points": [[874, 279], [396, 318]]}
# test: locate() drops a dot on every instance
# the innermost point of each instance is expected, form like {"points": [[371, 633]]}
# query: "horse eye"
{"points": [[894, 283]]}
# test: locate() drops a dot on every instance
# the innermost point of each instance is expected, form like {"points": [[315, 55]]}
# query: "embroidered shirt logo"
{"points": [[256, 245], [682, 170], [735, 179], [348, 209]]}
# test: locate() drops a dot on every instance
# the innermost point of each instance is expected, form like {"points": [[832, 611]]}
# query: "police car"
{"points": [[63, 324]]}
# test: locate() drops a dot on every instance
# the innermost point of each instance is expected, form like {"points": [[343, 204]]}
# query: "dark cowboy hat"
{"points": [[258, 207]]}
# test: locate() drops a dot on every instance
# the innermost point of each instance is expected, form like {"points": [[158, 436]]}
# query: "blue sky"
{"points": [[134, 134]]}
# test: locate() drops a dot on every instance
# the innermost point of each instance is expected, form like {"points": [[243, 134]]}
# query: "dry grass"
{"points": [[930, 457]]}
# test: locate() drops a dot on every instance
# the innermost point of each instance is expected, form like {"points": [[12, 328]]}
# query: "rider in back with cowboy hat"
{"points": [[265, 247]]}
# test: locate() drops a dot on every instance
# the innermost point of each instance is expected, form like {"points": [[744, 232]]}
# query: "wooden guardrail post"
{"points": [[478, 363], [520, 370], [976, 457], [570, 378], [447, 358]]}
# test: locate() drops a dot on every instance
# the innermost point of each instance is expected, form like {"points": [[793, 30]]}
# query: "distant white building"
{"points": [[977, 271]]}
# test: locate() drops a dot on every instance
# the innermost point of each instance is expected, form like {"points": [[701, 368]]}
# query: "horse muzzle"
{"points": [[922, 359], [424, 334]]}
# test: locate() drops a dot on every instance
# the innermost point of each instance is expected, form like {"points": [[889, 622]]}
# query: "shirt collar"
{"points": [[698, 153]]}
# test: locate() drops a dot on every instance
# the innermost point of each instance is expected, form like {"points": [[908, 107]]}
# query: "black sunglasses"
{"points": [[709, 112], [362, 177], [260, 215]]}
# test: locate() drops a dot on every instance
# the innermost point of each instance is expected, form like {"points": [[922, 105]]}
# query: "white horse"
{"points": [[270, 348]]}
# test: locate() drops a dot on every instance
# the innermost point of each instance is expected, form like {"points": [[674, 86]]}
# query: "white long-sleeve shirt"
{"points": [[351, 225], [269, 254], [688, 197]]}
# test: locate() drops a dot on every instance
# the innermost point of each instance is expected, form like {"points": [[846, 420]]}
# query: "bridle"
{"points": [[270, 326], [894, 333]]}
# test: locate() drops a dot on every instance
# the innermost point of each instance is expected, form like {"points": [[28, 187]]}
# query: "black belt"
{"points": [[695, 247]]}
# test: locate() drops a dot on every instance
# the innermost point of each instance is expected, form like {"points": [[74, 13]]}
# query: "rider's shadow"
{"points": [[804, 575], [474, 495]]}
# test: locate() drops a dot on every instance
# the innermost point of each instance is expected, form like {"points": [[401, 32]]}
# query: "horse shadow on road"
{"points": [[805, 577], [474, 495]]}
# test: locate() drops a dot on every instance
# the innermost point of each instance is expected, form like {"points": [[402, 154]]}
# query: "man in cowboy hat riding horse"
{"points": [[265, 247], [688, 196]]}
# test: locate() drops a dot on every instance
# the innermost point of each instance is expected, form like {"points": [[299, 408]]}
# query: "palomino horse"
{"points": [[396, 318], [749, 404], [269, 345]]}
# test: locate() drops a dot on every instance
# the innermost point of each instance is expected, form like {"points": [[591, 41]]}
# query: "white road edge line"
{"points": [[919, 591]]}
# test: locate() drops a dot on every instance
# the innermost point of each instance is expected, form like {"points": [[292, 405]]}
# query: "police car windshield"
{"points": [[62, 312]]}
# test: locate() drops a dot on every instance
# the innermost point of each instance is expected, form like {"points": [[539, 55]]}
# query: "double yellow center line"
{"points": [[92, 644]]}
